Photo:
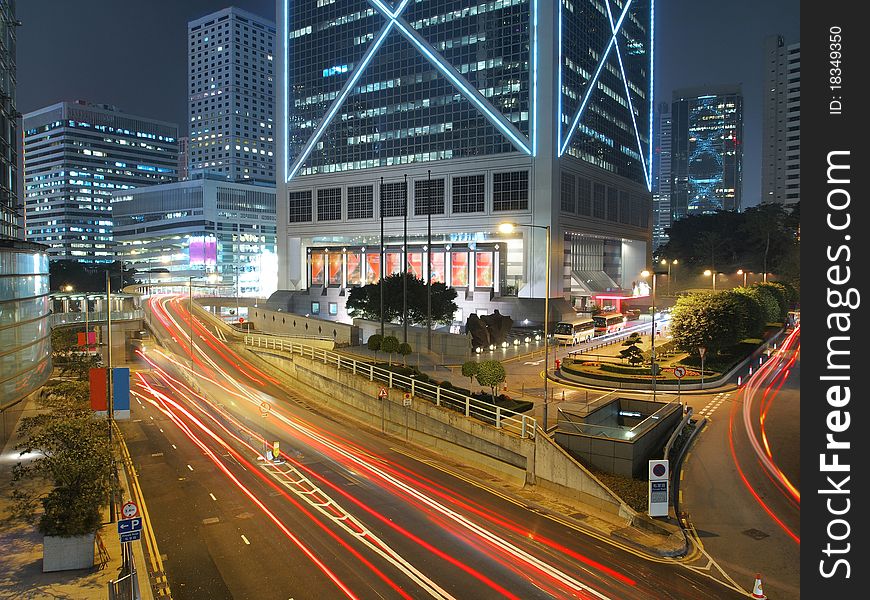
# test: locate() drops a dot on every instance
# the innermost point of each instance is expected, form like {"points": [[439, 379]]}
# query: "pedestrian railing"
{"points": [[502, 418], [67, 318]]}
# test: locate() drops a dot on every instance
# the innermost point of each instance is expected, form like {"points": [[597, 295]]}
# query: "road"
{"points": [[740, 482], [347, 513]]}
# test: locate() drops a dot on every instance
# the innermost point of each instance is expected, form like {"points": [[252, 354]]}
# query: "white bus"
{"points": [[574, 332]]}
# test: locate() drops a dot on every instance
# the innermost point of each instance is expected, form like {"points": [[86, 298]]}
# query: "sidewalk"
{"points": [[21, 573]]}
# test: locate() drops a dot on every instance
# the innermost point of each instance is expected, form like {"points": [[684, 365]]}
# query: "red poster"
{"points": [[483, 268], [97, 383], [316, 269], [373, 268], [334, 268], [459, 269], [437, 267], [354, 269], [394, 263], [415, 264]]}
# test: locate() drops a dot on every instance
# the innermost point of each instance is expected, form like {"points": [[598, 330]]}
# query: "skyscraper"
{"points": [[231, 95], [75, 155], [25, 335], [780, 163], [706, 150], [527, 112], [9, 125], [661, 179]]}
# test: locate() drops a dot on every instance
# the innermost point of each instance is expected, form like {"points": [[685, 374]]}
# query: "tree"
{"points": [[780, 294], [632, 353], [75, 461], [390, 344], [88, 277], [374, 342], [469, 369], [404, 349], [707, 320], [365, 302], [491, 374], [756, 311]]}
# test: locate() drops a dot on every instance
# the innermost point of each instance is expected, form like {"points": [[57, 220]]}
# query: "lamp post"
{"points": [[647, 273], [190, 315], [405, 265], [429, 260], [381, 278], [744, 273], [669, 263], [508, 228], [110, 400], [708, 273]]}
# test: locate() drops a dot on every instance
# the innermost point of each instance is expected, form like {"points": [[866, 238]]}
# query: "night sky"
{"points": [[133, 54]]}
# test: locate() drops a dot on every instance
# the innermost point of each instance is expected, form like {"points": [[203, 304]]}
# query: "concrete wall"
{"points": [[450, 344], [288, 324], [536, 461], [628, 458]]}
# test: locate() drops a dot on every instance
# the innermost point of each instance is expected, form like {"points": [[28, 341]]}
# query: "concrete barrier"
{"points": [[525, 461]]}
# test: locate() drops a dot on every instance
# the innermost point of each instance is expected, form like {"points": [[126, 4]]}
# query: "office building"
{"points": [[76, 155], [183, 158], [781, 129], [25, 336], [706, 150], [231, 95], [204, 225], [661, 179], [519, 111]]}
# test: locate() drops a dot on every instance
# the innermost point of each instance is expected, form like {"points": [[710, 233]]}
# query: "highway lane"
{"points": [[739, 482], [464, 537]]}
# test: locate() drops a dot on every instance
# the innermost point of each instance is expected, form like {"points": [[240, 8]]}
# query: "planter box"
{"points": [[67, 553]]}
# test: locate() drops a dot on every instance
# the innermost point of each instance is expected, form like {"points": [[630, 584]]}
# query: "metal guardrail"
{"points": [[67, 318], [511, 421]]}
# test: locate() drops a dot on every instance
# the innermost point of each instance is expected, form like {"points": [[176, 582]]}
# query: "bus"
{"points": [[574, 332], [609, 323]]}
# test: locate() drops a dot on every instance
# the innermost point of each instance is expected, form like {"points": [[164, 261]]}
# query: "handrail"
{"points": [[503, 418]]}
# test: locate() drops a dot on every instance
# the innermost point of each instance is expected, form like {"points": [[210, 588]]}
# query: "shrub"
{"points": [[375, 341], [469, 369]]}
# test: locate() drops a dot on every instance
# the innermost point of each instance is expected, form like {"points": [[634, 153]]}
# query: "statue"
{"points": [[488, 329]]}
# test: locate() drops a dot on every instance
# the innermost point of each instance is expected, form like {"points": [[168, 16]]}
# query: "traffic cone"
{"points": [[756, 591]]}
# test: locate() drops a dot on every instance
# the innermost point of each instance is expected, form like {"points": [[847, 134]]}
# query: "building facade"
{"points": [[661, 179], [519, 111], [183, 158], [780, 162], [231, 95], [76, 155], [25, 337], [706, 150], [198, 227], [10, 134]]}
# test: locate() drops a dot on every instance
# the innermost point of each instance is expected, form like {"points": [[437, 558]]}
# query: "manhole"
{"points": [[211, 521], [756, 534]]}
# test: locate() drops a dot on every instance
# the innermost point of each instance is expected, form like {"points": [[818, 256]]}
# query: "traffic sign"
{"points": [[679, 372], [131, 536], [128, 525], [130, 510], [406, 399], [382, 393], [702, 350], [241, 319], [265, 407]]}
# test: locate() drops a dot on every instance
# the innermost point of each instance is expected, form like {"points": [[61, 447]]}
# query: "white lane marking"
{"points": [[189, 467], [174, 447], [244, 539], [212, 497], [161, 429]]}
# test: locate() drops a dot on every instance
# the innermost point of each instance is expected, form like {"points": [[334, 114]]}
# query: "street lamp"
{"points": [[669, 263], [708, 273], [508, 228], [646, 273]]}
